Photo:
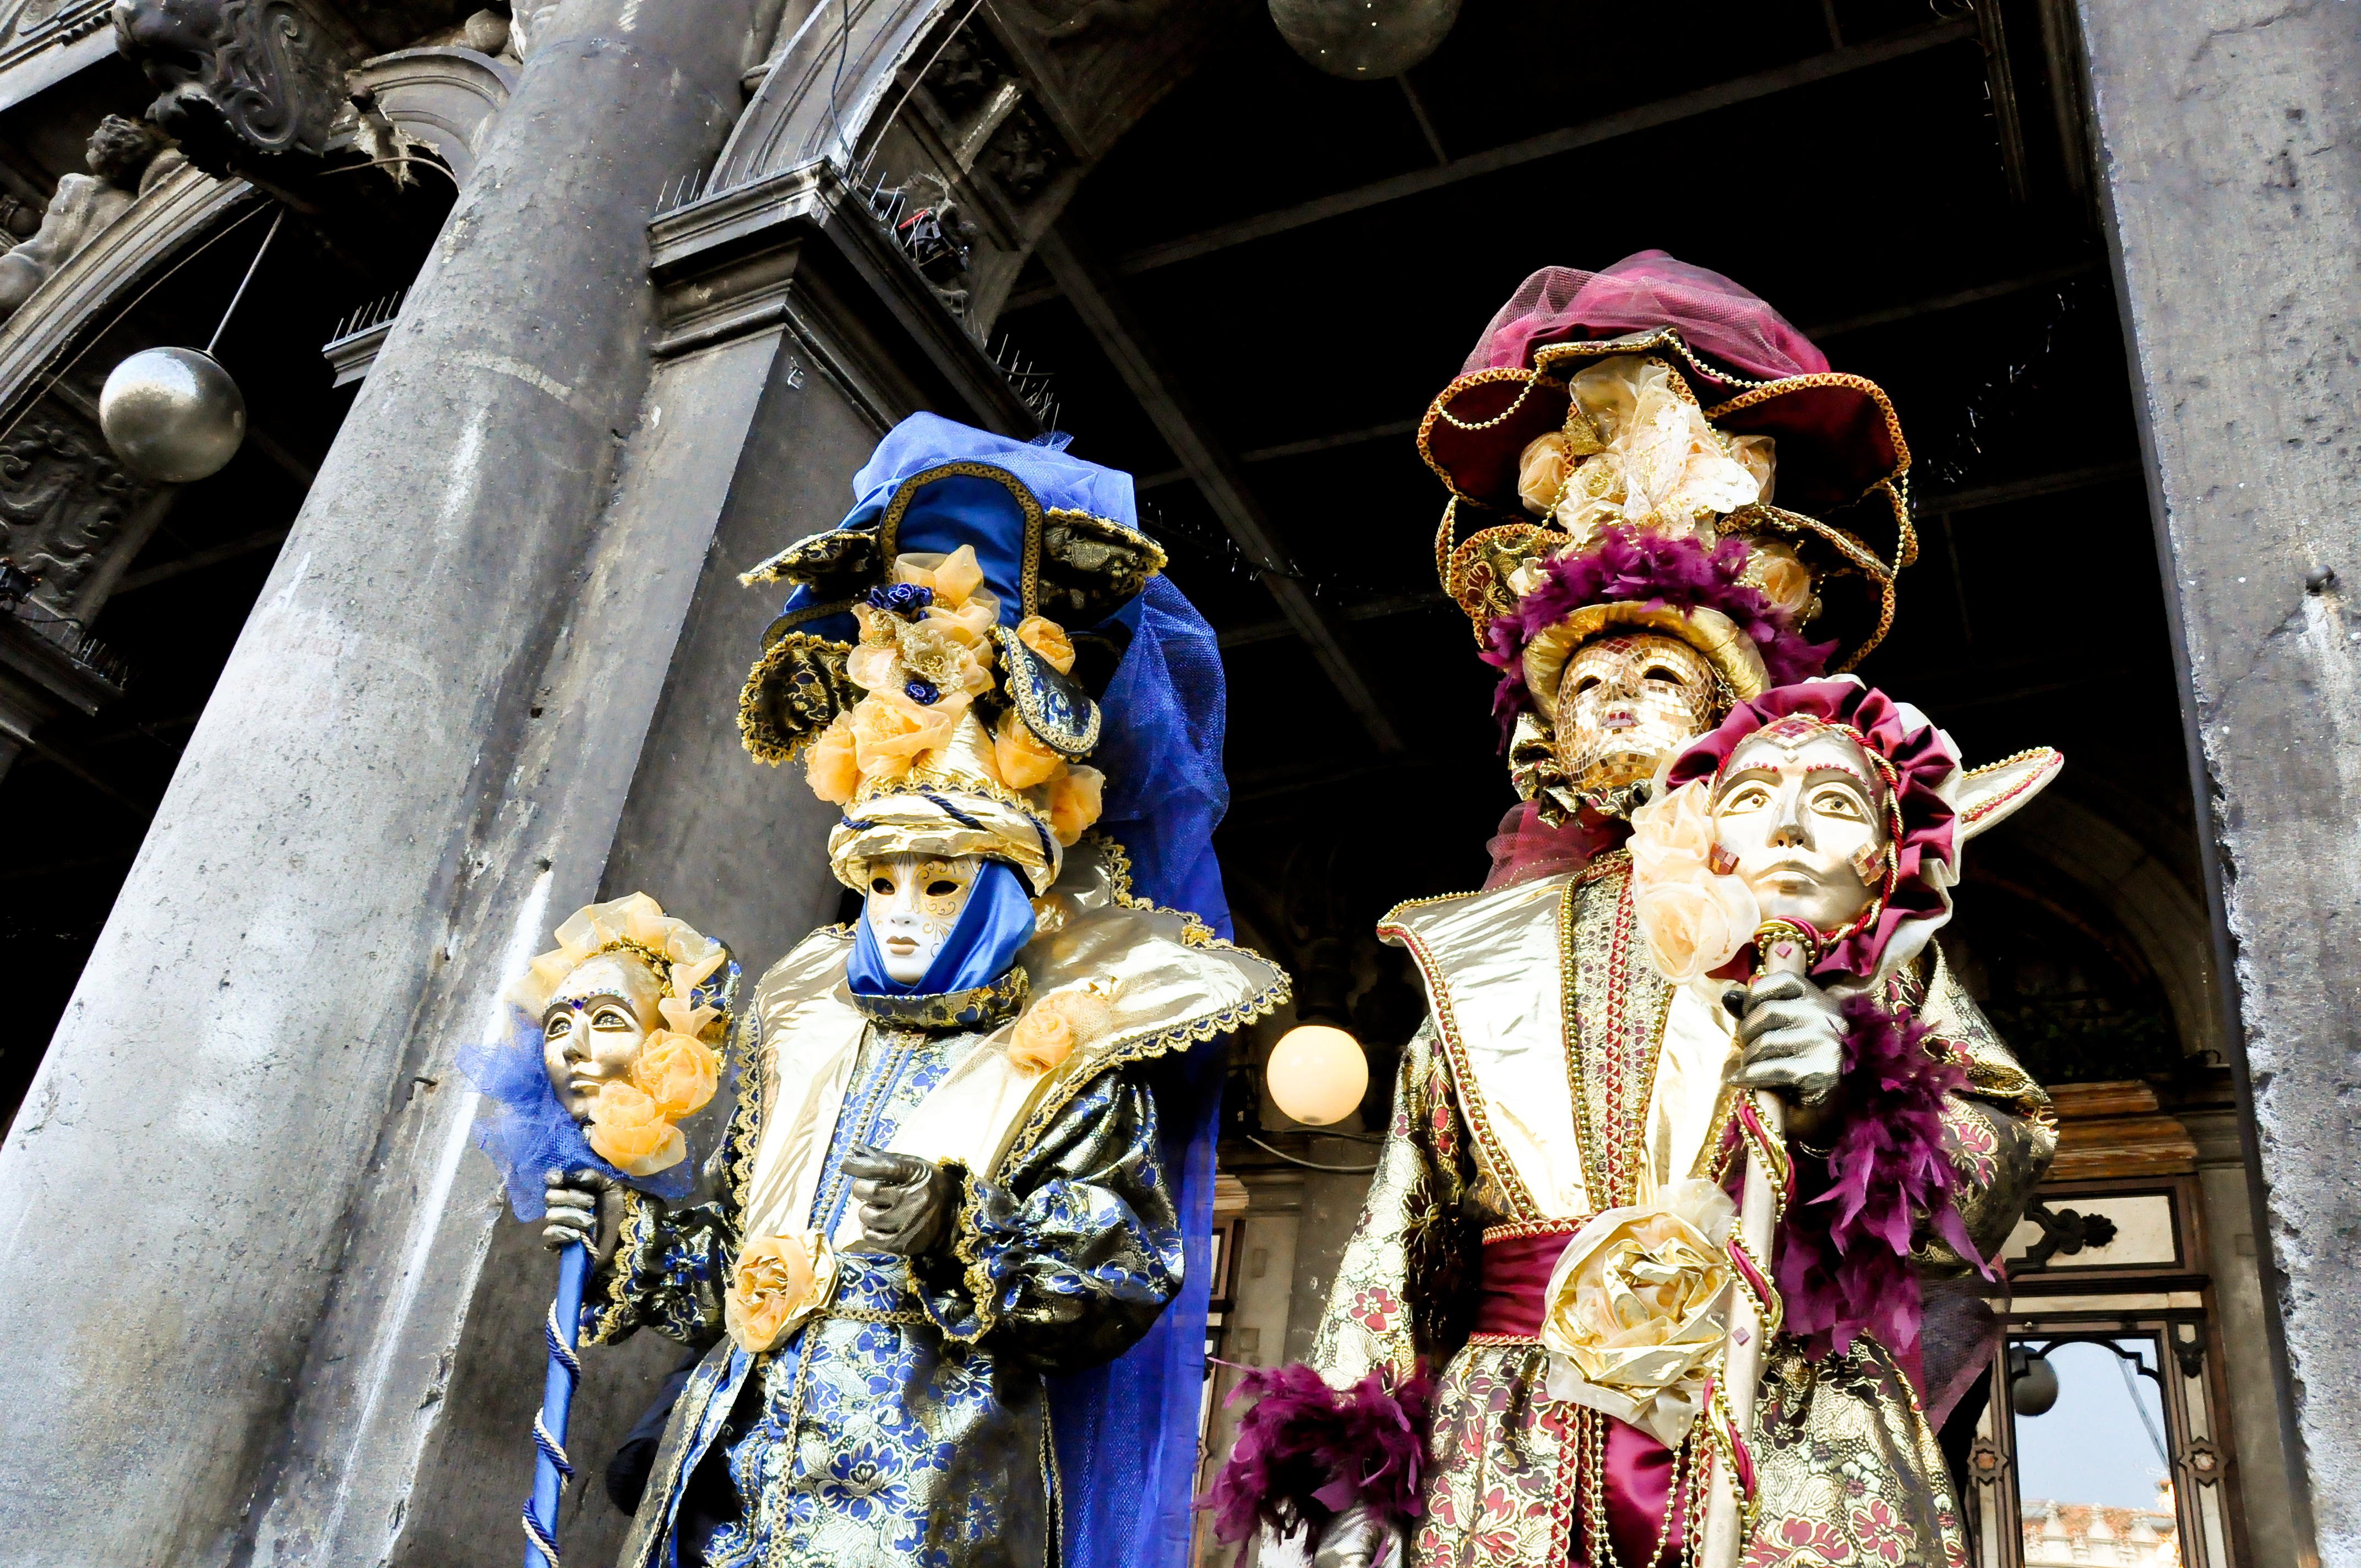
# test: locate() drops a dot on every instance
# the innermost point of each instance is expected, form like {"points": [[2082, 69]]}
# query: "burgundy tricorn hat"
{"points": [[1751, 372]]}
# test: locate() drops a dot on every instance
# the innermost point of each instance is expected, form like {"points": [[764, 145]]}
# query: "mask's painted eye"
{"points": [[1839, 803], [1746, 797], [559, 1026], [611, 1018], [881, 886]]}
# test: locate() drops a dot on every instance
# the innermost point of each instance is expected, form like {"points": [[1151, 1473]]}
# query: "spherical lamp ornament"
{"points": [[1363, 40], [1317, 1074], [172, 415]]}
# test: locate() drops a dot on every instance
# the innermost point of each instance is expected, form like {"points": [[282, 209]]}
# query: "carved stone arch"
{"points": [[446, 97], [822, 84]]}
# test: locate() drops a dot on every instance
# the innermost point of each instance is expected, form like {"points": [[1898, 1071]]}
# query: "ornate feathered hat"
{"points": [[922, 667], [1613, 448]]}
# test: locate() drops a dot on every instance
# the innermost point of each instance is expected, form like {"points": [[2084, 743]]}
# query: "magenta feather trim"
{"points": [[1306, 1452], [1630, 565], [1844, 1252]]}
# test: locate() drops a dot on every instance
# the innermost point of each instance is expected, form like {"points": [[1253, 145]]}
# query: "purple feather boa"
{"points": [[1661, 571], [1306, 1452], [1843, 1262]]}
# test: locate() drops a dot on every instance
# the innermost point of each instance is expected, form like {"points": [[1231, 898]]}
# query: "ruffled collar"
{"points": [[977, 1008]]}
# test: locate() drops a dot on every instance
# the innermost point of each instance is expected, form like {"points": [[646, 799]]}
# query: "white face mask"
{"points": [[914, 902], [1799, 813]]}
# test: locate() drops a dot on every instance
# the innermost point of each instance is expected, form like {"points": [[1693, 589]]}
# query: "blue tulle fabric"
{"points": [[1126, 1434], [998, 921], [528, 1133]]}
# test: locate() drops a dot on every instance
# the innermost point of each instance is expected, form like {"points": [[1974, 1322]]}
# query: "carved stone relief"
{"points": [[63, 499], [236, 79]]}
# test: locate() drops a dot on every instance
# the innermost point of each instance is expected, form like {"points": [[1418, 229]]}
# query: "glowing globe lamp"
{"points": [[1317, 1074]]}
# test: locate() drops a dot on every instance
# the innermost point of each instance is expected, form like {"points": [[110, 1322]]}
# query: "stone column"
{"points": [[2229, 135], [225, 1262]]}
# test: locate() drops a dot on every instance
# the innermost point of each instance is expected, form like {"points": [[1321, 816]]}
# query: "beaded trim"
{"points": [[1518, 1230]]}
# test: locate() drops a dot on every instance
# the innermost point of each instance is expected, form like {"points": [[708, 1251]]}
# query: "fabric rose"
{"points": [[1665, 465], [677, 1072], [776, 1283], [1639, 1309], [630, 1134], [1058, 1025], [1673, 465], [1693, 920], [1074, 803], [876, 667], [889, 730], [830, 767], [935, 655], [1541, 472], [1023, 761], [1785, 581], [1759, 455], [1695, 924], [1047, 639], [963, 607]]}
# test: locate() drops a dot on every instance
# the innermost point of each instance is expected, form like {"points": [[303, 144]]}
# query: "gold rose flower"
{"points": [[830, 767], [1541, 472], [1773, 567], [1074, 797], [889, 730], [876, 667], [1639, 1309], [776, 1283], [1023, 761], [1047, 639], [630, 1134], [1054, 1027], [677, 1072]]}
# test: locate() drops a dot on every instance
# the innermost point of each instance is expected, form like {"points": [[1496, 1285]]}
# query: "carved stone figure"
{"points": [[126, 158], [235, 78], [1543, 1288]]}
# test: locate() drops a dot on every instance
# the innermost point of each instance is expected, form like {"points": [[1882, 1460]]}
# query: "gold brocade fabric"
{"points": [[1850, 1473]]}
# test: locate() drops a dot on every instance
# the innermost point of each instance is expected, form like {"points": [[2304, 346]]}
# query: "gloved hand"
{"points": [[906, 1203], [1356, 1538], [1793, 1038], [585, 1207]]}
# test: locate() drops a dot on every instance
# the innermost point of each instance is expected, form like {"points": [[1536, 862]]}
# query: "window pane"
{"points": [[2092, 1471]]}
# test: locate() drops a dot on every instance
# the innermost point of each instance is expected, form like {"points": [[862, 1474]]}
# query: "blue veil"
{"points": [[1126, 1432]]}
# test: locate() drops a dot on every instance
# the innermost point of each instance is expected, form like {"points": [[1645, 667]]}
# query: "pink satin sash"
{"points": [[1516, 1270]]}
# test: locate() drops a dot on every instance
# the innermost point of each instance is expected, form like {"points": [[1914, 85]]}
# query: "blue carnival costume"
{"points": [[1026, 1391]]}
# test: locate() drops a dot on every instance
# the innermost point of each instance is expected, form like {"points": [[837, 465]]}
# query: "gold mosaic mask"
{"points": [[1626, 703]]}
